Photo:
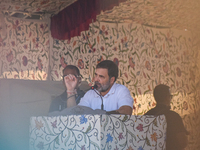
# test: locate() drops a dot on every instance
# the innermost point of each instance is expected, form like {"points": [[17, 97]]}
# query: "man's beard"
{"points": [[103, 88]]}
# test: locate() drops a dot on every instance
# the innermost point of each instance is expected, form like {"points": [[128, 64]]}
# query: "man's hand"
{"points": [[70, 82]]}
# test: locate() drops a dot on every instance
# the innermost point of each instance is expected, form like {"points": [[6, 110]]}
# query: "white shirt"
{"points": [[118, 96]]}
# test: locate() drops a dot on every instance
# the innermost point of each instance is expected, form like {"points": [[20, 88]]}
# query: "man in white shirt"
{"points": [[108, 95]]}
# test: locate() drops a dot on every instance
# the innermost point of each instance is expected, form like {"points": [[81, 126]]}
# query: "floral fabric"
{"points": [[98, 132]]}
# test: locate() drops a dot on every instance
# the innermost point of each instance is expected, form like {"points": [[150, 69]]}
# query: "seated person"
{"points": [[59, 103], [176, 133], [114, 97]]}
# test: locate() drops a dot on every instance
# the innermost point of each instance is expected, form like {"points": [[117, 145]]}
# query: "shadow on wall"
{"points": [[192, 124]]}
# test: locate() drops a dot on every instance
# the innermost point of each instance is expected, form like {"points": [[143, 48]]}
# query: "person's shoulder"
{"points": [[173, 113], [81, 92], [89, 92], [121, 86]]}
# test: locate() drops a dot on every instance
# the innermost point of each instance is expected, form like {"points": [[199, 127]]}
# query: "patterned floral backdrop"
{"points": [[145, 57], [24, 49]]}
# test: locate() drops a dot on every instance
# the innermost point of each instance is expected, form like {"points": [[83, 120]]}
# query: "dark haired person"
{"points": [[176, 133], [59, 103], [116, 98]]}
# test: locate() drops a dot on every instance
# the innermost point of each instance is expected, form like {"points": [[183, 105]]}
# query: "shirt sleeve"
{"points": [[85, 100], [124, 97]]}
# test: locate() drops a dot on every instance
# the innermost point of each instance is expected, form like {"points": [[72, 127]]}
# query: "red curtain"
{"points": [[76, 18]]}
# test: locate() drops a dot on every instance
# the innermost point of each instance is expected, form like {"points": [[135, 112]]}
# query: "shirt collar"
{"points": [[111, 91]]}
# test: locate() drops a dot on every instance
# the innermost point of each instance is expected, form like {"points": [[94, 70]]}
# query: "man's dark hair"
{"points": [[110, 66], [161, 93], [72, 67]]}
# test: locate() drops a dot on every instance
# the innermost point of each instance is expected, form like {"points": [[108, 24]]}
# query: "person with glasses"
{"points": [[60, 102], [176, 137]]}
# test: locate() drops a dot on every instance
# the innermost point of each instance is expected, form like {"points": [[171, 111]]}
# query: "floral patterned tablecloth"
{"points": [[95, 132]]}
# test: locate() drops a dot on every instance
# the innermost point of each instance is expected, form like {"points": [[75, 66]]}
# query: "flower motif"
{"points": [[116, 61], [102, 48], [140, 127], [115, 48], [38, 124], [19, 28], [185, 105], [103, 28], [36, 45], [106, 32], [17, 22], [30, 34], [154, 137], [57, 42], [99, 60], [154, 104], [13, 43], [62, 61], [83, 119], [37, 39], [148, 65], [74, 43], [109, 138], [140, 148], [116, 148], [131, 63], [42, 26], [148, 31], [25, 46], [16, 76], [9, 56], [80, 64], [54, 124], [120, 136], [165, 67], [126, 75], [157, 54], [83, 147]]}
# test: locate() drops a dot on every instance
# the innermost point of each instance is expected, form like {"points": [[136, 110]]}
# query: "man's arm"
{"points": [[127, 110], [71, 101]]}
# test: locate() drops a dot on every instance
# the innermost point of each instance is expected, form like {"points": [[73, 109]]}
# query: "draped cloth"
{"points": [[76, 18]]}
